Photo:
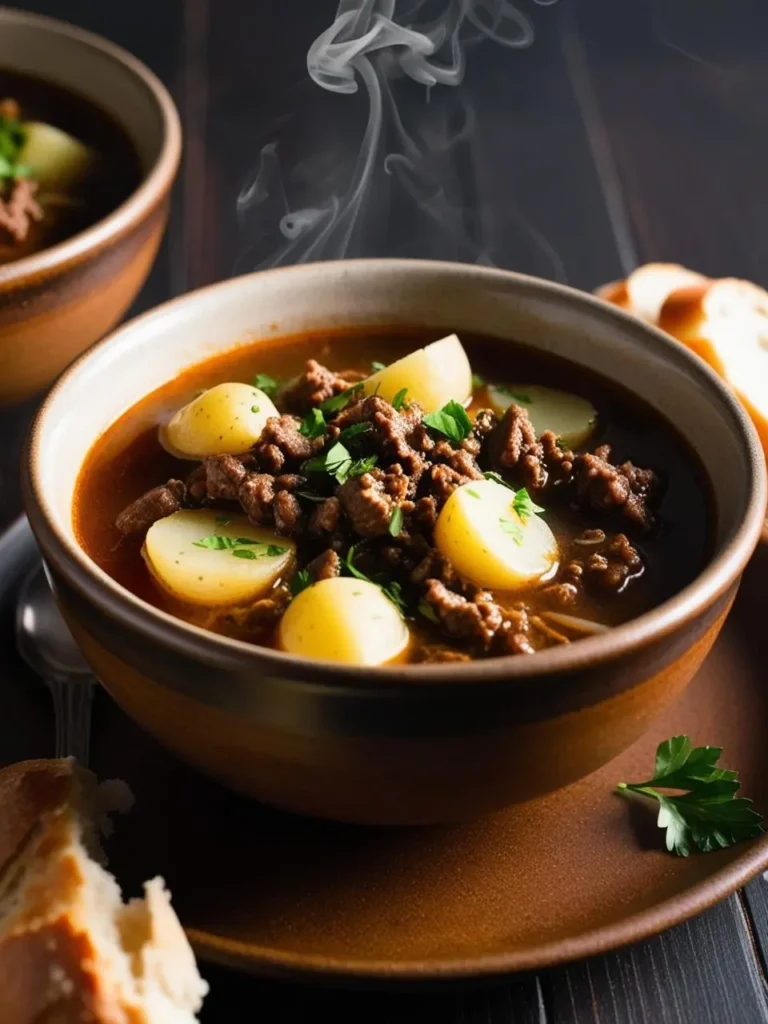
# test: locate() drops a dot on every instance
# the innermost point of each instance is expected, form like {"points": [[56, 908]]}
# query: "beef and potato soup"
{"points": [[376, 496], [64, 164]]}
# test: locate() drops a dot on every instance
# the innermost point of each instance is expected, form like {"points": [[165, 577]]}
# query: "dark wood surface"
{"points": [[628, 131]]}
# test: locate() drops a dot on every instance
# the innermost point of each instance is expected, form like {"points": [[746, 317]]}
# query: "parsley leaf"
{"points": [[396, 522], [342, 400], [477, 382], [244, 553], [452, 421], [241, 547], [518, 396], [376, 367], [390, 589], [512, 527], [356, 468], [313, 424], [338, 463], [524, 505], [300, 581], [265, 383], [490, 475], [355, 430], [428, 611], [399, 399], [709, 816], [12, 137]]}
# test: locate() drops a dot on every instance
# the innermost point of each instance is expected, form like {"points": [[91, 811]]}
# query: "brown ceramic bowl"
{"points": [[55, 303], [406, 744]]}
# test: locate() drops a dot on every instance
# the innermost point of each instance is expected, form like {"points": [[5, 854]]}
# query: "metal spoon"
{"points": [[45, 643]]}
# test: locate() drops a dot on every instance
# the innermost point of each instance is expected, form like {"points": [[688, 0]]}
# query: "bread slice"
{"points": [[70, 950], [725, 321]]}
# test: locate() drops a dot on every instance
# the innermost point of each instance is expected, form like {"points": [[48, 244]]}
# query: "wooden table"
{"points": [[631, 130]]}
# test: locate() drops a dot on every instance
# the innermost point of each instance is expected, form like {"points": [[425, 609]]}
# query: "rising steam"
{"points": [[367, 46]]}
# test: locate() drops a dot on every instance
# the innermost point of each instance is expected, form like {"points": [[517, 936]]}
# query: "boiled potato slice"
{"points": [[487, 542], [432, 376], [196, 557], [346, 620], [56, 160], [572, 418], [225, 420]]}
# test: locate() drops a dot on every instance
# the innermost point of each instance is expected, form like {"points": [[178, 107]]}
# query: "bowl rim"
{"points": [[153, 185], [118, 603]]}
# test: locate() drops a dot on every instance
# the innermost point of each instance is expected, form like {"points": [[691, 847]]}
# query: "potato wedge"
{"points": [[572, 418], [345, 620], [56, 160], [487, 542], [225, 420], [432, 376], [204, 559]]}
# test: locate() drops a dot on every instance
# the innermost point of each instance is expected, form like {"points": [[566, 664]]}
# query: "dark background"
{"points": [[631, 130]]}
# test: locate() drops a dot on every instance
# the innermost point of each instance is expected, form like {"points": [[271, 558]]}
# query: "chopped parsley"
{"points": [[428, 611], [300, 581], [472, 493], [265, 383], [241, 547], [396, 522], [340, 401], [244, 553], [389, 588], [12, 138], [524, 505], [452, 421], [357, 467], [338, 463], [355, 430], [477, 382], [707, 815], [518, 396], [313, 424], [497, 479], [399, 399], [377, 367], [512, 527]]}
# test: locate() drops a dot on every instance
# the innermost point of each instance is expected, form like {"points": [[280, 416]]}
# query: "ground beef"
{"points": [[315, 385], [287, 515], [392, 432], [597, 563], [290, 482], [366, 504], [150, 507], [443, 481], [513, 446], [325, 566], [625, 490], [434, 565], [256, 495], [485, 422], [196, 485], [461, 460], [325, 518], [611, 567], [560, 595], [478, 619], [556, 458], [264, 616], [435, 654], [515, 635], [223, 476], [425, 514], [281, 434]]}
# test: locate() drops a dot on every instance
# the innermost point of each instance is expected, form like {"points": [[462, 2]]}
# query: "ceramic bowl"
{"points": [[412, 744], [57, 302]]}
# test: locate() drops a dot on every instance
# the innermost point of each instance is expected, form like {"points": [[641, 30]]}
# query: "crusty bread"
{"points": [[70, 950], [725, 321]]}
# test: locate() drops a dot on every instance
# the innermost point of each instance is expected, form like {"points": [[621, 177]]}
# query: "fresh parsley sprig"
{"points": [[338, 463], [241, 547], [12, 138], [265, 383], [452, 421], [389, 588], [342, 400], [708, 816], [313, 424]]}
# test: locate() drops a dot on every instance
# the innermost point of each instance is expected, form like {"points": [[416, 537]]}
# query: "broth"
{"points": [[129, 460]]}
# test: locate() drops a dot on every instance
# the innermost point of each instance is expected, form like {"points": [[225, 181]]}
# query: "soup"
{"points": [[64, 165], [376, 496]]}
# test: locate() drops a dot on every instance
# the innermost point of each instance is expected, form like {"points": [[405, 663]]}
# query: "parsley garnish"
{"points": [[472, 493], [452, 420], [265, 383], [512, 527], [490, 475], [708, 816], [477, 382], [399, 399], [313, 424], [428, 611], [355, 430], [311, 497], [338, 463], [396, 522], [254, 408], [12, 137], [301, 580], [391, 589], [241, 547], [524, 505], [376, 367], [340, 401]]}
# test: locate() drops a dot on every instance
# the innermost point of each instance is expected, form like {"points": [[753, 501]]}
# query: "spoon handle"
{"points": [[72, 715]]}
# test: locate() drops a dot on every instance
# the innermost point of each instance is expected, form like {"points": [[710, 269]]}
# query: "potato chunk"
{"points": [[204, 559], [570, 417], [346, 620], [487, 542], [225, 420], [56, 160], [432, 376]]}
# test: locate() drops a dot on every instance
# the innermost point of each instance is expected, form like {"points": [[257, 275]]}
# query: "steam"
{"points": [[365, 46]]}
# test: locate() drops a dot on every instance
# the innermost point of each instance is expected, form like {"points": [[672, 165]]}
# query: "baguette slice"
{"points": [[70, 949]]}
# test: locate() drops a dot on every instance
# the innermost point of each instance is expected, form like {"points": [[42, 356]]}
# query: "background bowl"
{"points": [[421, 743], [55, 303]]}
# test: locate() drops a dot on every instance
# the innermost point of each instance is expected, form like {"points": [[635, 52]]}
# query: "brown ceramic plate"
{"points": [[564, 877]]}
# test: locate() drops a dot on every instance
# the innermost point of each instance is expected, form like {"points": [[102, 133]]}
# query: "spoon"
{"points": [[45, 643]]}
